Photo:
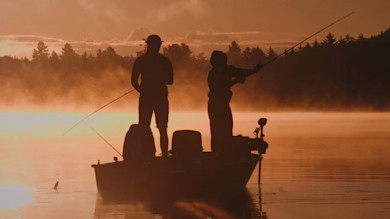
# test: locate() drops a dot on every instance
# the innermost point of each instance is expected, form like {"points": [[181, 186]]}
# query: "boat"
{"points": [[184, 172]]}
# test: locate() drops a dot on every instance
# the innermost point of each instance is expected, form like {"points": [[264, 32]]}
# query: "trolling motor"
{"points": [[258, 142], [261, 122]]}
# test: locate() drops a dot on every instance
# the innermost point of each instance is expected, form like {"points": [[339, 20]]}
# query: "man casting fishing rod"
{"points": [[156, 73], [220, 79]]}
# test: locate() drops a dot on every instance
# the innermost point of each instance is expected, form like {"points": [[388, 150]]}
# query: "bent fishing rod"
{"points": [[108, 143], [319, 31], [86, 117]]}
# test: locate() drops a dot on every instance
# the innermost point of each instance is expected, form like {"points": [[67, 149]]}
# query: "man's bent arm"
{"points": [[243, 73], [170, 74], [134, 78]]}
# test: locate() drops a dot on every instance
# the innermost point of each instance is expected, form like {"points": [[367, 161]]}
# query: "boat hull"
{"points": [[174, 174]]}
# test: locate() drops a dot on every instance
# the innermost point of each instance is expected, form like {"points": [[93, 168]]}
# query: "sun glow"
{"points": [[43, 124], [12, 197]]}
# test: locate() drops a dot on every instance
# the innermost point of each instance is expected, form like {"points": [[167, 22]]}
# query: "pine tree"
{"points": [[234, 53], [329, 41], [41, 53], [68, 54]]}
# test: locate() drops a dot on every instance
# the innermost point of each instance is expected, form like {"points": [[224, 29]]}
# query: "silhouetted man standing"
{"points": [[220, 78], [156, 72]]}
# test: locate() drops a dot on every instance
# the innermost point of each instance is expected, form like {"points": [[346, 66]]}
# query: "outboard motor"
{"points": [[186, 143]]}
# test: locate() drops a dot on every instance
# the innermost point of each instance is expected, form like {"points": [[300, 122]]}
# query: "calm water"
{"points": [[318, 165]]}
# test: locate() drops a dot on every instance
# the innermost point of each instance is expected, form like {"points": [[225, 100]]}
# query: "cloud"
{"points": [[139, 34], [212, 38], [174, 8], [23, 45], [208, 36], [30, 38], [199, 41]]}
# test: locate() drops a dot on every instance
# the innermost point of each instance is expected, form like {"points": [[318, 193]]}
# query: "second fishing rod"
{"points": [[307, 38]]}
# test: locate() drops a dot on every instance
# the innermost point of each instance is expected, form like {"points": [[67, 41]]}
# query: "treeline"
{"points": [[332, 74]]}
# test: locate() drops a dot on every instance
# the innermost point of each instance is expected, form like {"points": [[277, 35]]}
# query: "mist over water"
{"points": [[334, 73], [318, 165]]}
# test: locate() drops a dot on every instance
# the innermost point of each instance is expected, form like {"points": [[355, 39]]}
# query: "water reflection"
{"points": [[12, 197], [218, 204], [320, 165]]}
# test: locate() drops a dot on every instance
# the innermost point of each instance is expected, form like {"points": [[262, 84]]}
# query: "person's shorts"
{"points": [[157, 103]]}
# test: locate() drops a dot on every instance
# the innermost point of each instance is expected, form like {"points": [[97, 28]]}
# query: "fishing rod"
{"points": [[106, 141], [86, 117], [319, 31]]}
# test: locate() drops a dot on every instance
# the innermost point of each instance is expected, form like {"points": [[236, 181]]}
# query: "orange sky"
{"points": [[203, 24]]}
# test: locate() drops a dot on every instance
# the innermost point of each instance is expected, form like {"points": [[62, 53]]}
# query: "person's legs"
{"points": [[161, 111], [164, 141], [145, 110], [213, 117], [221, 125]]}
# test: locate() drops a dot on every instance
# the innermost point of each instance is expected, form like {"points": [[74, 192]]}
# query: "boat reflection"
{"points": [[219, 204]]}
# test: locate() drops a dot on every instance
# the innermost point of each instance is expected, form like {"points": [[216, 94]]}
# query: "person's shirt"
{"points": [[220, 81], [155, 70]]}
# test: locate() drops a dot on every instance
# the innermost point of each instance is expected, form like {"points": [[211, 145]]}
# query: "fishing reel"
{"points": [[258, 142]]}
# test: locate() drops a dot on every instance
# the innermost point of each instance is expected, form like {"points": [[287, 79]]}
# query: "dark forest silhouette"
{"points": [[332, 74]]}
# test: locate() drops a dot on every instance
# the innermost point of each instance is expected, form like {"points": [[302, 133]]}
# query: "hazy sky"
{"points": [[203, 24]]}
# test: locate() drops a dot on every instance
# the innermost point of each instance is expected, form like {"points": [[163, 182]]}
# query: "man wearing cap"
{"points": [[156, 73], [220, 80]]}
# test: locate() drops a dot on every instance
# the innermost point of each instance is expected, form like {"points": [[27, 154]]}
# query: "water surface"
{"points": [[318, 165]]}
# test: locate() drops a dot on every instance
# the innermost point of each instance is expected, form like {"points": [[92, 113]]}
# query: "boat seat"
{"points": [[186, 143], [139, 143]]}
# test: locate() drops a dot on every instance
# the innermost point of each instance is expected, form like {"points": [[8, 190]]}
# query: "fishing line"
{"points": [[106, 141], [86, 117], [319, 31]]}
